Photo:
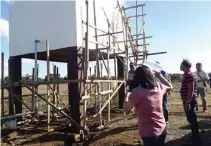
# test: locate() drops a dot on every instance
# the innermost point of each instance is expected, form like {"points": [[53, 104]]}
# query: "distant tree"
{"points": [[65, 78], [51, 77], [105, 77], [27, 78], [113, 77], [176, 77], [40, 79]]}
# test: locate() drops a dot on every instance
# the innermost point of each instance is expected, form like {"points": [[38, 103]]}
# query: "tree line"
{"points": [[175, 77]]}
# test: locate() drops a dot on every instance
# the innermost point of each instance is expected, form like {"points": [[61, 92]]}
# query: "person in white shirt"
{"points": [[201, 78]]}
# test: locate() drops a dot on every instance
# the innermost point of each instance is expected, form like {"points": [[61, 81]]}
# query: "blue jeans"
{"points": [[154, 141], [165, 108]]}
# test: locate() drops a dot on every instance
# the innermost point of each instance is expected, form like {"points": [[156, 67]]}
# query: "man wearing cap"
{"points": [[201, 78]]}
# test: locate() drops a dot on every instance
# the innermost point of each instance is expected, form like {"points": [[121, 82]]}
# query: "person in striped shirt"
{"points": [[188, 94]]}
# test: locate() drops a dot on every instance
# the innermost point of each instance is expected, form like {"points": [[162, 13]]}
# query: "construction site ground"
{"points": [[121, 132]]}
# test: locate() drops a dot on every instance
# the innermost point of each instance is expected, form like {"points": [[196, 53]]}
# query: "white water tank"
{"points": [[58, 21]]}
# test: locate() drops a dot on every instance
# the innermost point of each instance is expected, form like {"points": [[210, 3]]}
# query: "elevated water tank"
{"points": [[58, 21]]}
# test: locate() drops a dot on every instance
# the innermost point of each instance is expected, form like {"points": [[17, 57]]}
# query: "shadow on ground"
{"points": [[203, 125], [110, 133], [205, 135], [63, 137], [185, 141]]}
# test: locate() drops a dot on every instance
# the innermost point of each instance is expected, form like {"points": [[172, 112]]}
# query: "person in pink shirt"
{"points": [[147, 96]]}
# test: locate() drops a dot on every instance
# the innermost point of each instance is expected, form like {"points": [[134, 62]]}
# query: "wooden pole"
{"points": [[135, 61], [54, 90], [100, 104], [36, 67], [90, 74], [2, 84], [108, 65], [12, 109], [57, 91], [53, 106], [96, 87], [36, 89], [33, 87], [48, 92], [97, 67]]}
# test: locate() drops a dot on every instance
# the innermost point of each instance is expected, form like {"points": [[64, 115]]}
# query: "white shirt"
{"points": [[203, 75]]}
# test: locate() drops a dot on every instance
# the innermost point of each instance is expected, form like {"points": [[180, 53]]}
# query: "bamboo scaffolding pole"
{"points": [[136, 23], [101, 67], [11, 95], [54, 91], [27, 95], [109, 99], [102, 44], [97, 65], [36, 67], [62, 103], [2, 84], [111, 33], [135, 39], [24, 103], [48, 92], [33, 87], [97, 69], [143, 45], [93, 26], [57, 90], [144, 37], [125, 25], [53, 106], [108, 59], [141, 5], [148, 54], [103, 60], [136, 16], [86, 62], [15, 116], [109, 24], [96, 87], [115, 72], [100, 105], [36, 89], [101, 93]]}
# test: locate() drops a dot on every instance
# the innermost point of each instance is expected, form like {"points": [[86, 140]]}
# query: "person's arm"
{"points": [[128, 104], [169, 86], [206, 78], [190, 90]]}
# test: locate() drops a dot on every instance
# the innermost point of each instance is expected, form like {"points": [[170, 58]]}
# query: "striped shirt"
{"points": [[187, 78]]}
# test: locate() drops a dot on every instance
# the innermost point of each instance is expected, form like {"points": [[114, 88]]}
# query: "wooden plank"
{"points": [[2, 82], [131, 7]]}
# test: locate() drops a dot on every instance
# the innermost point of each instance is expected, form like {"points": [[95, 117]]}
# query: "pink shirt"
{"points": [[148, 103]]}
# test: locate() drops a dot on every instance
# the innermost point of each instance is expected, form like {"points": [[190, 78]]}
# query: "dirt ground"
{"points": [[121, 132]]}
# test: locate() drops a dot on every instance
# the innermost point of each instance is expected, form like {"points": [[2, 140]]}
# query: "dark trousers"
{"points": [[154, 141], [165, 108], [192, 119]]}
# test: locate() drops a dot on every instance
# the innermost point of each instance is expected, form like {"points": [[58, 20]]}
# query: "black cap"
{"points": [[186, 63]]}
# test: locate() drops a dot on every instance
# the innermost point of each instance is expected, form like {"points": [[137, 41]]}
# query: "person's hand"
{"points": [[187, 107], [157, 74]]}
